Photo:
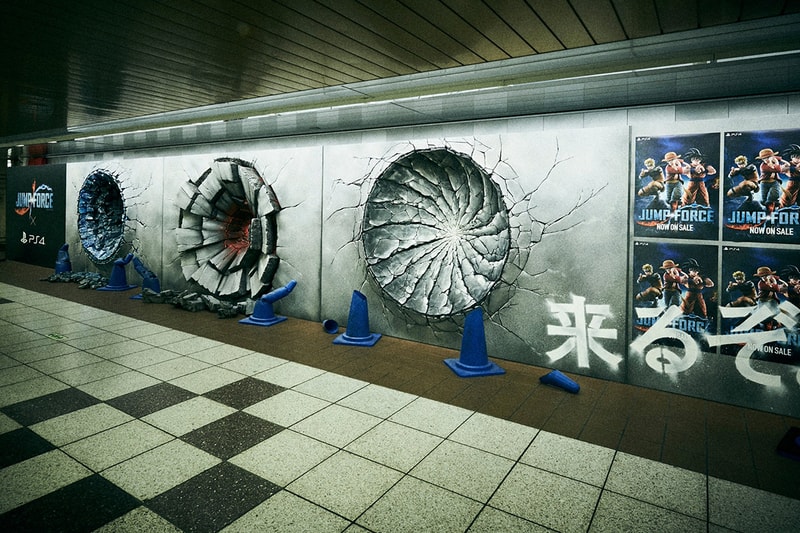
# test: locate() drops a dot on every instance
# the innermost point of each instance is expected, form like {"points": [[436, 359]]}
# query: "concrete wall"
{"points": [[566, 180]]}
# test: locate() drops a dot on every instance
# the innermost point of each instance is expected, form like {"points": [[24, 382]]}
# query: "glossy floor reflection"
{"points": [[123, 424]]}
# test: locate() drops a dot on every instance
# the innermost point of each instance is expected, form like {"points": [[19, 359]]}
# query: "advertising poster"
{"points": [[675, 293], [35, 209], [761, 183], [761, 303], [676, 186]]}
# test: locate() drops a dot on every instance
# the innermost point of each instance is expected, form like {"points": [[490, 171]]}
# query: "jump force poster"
{"points": [[761, 184], [676, 186], [675, 295], [760, 304]]}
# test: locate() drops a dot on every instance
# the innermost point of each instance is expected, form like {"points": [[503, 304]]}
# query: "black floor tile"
{"points": [[244, 393], [151, 399], [213, 499], [231, 435], [49, 406], [21, 444], [82, 506]]}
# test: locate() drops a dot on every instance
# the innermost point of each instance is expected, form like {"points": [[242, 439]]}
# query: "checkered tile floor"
{"points": [[116, 424]]}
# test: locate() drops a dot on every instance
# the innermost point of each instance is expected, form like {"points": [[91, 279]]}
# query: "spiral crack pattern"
{"points": [[436, 232]]}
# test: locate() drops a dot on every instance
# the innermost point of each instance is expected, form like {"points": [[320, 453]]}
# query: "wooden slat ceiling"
{"points": [[72, 63]]}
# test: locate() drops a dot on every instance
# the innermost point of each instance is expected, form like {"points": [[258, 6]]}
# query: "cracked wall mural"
{"points": [[435, 232], [101, 216], [227, 233], [111, 202], [507, 224]]}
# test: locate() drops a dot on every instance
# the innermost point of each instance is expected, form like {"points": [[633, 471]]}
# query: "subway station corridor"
{"points": [[116, 415]]}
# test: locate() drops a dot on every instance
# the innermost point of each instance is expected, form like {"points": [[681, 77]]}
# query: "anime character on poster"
{"points": [[771, 168], [696, 191], [792, 188]]}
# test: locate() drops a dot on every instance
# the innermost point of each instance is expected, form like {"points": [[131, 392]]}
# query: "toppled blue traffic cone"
{"points": [[559, 379], [119, 278], [473, 360], [263, 313], [149, 279], [357, 333], [330, 326], [63, 264], [789, 446]]}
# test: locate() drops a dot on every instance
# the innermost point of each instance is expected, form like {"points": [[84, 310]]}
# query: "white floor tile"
{"points": [[569, 457], [660, 484], [413, 506], [186, 416], [432, 417], [394, 445], [79, 424], [495, 435], [287, 408], [157, 470], [330, 386], [24, 482], [548, 499], [284, 457], [464, 470], [377, 401], [286, 513], [345, 483], [620, 513], [336, 425], [747, 509]]}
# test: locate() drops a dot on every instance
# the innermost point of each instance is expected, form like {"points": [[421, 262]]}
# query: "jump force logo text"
{"points": [[40, 197]]}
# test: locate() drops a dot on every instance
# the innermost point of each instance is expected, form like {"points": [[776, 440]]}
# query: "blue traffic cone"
{"points": [[119, 278], [149, 279], [559, 379], [263, 313], [474, 360], [63, 264], [330, 326], [357, 333]]}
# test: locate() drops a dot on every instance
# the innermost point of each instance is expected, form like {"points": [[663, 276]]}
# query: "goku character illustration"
{"points": [[792, 289], [656, 185], [747, 187], [790, 192], [772, 165], [696, 191], [745, 288], [673, 279], [654, 290], [695, 284], [675, 169]]}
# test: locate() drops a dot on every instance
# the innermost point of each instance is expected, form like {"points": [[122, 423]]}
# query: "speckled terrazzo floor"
{"points": [[119, 423]]}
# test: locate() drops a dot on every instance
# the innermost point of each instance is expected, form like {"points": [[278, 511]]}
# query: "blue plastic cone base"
{"points": [[473, 360], [263, 315], [347, 340], [255, 321], [469, 371], [357, 333], [559, 379], [136, 296], [62, 266]]}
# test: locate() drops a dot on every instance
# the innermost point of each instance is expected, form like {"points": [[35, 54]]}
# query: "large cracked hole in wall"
{"points": [[227, 230], [435, 232], [101, 216]]}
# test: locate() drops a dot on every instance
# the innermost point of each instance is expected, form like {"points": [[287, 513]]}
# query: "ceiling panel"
{"points": [[66, 65]]}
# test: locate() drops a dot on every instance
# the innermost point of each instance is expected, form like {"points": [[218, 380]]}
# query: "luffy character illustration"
{"points": [[675, 170]]}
